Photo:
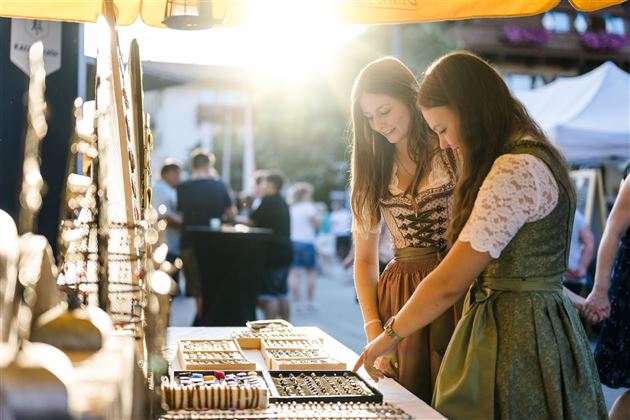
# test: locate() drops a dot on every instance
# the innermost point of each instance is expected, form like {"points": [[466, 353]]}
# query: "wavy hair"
{"points": [[372, 154], [489, 117]]}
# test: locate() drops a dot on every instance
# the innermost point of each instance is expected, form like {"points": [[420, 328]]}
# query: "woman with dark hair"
{"points": [[519, 349], [610, 301], [401, 176]]}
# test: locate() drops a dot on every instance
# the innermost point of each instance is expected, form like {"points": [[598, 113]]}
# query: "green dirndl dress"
{"points": [[519, 350]]}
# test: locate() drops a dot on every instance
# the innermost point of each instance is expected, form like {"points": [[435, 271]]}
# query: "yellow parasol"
{"points": [[235, 12]]}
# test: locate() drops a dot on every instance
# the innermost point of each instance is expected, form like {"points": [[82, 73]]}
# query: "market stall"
{"points": [[571, 109], [110, 263]]}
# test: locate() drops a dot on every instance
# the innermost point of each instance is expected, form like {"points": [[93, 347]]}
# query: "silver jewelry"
{"points": [[389, 331]]}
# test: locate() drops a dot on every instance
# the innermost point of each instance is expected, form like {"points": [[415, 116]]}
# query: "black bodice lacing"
{"points": [[420, 228]]}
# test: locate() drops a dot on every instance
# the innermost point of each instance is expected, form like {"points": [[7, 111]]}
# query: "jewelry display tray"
{"points": [[176, 374], [275, 396]]}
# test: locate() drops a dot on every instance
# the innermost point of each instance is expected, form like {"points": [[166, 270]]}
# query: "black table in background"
{"points": [[231, 263]]}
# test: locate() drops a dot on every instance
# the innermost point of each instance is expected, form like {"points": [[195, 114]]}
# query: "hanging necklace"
{"points": [[405, 169], [412, 176]]}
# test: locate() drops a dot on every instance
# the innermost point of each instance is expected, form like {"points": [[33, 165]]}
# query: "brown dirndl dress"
{"points": [[417, 227]]}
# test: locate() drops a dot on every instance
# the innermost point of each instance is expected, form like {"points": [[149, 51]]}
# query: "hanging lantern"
{"points": [[189, 14]]}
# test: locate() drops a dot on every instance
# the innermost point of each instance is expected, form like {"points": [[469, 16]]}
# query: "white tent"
{"points": [[588, 116]]}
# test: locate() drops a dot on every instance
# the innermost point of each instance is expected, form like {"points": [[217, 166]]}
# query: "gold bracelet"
{"points": [[374, 321]]}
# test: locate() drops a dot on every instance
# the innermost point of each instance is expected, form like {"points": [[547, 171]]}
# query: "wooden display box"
{"points": [[252, 340], [208, 345], [212, 355], [307, 364], [273, 344], [217, 364], [248, 343], [301, 354]]}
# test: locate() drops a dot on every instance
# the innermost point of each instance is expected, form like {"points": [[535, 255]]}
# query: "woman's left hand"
{"points": [[597, 306], [383, 345]]}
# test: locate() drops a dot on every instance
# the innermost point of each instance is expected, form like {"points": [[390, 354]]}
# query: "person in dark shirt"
{"points": [[202, 198], [273, 213], [164, 199]]}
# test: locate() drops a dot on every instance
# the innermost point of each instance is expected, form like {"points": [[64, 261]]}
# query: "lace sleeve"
{"points": [[518, 189]]}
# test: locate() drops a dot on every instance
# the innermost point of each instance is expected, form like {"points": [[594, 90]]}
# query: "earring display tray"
{"points": [[212, 355], [208, 345], [321, 386], [307, 364], [252, 340], [293, 354], [192, 363], [269, 344]]}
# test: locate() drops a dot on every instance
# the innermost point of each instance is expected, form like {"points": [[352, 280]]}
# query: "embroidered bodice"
{"points": [[421, 221]]}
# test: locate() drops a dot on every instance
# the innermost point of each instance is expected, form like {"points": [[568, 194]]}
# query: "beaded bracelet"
{"points": [[374, 321]]}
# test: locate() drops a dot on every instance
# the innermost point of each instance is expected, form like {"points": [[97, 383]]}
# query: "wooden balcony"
{"points": [[563, 54]]}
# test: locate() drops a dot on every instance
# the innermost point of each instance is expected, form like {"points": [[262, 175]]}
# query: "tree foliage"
{"points": [[304, 129]]}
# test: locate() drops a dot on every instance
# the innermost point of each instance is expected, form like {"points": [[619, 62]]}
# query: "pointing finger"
{"points": [[359, 362]]}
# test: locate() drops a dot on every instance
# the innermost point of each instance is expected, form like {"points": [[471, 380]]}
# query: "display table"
{"points": [[391, 390]]}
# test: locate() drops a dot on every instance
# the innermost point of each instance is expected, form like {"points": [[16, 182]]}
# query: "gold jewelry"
{"points": [[404, 169]]}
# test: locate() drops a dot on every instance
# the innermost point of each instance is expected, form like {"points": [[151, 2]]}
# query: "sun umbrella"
{"points": [[235, 12]]}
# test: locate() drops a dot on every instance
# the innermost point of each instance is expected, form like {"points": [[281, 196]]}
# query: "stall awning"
{"points": [[572, 111], [348, 11]]}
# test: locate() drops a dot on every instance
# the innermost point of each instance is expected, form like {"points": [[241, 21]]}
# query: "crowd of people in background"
{"points": [[307, 237]]}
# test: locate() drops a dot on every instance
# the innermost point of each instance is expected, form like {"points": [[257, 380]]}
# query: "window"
{"points": [[519, 82], [556, 22], [615, 25], [580, 23]]}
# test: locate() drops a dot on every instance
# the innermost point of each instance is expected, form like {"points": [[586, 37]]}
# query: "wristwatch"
{"points": [[389, 331]]}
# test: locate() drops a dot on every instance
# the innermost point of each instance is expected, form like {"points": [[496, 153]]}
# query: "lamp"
{"points": [[189, 14]]}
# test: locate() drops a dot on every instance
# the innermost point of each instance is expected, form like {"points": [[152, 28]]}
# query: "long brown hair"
{"points": [[489, 117], [372, 154]]}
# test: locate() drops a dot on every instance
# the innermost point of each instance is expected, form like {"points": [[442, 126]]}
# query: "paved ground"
{"points": [[336, 312]]}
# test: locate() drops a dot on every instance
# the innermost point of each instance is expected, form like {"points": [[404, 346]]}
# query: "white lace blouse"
{"points": [[519, 189]]}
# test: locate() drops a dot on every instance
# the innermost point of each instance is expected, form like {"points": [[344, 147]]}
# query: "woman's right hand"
{"points": [[383, 345], [597, 306], [372, 331], [386, 364]]}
